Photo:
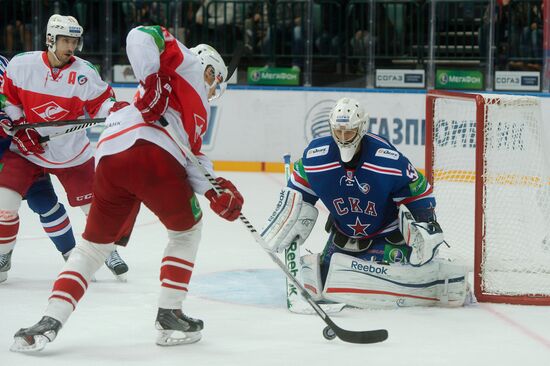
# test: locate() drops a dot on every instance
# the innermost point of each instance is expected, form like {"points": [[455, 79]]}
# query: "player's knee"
{"points": [[10, 201], [43, 205], [94, 251], [187, 237]]}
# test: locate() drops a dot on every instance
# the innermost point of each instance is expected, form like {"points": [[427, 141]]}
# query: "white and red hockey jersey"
{"points": [[153, 49], [40, 93]]}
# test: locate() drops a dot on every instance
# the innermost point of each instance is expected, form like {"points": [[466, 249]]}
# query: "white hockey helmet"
{"points": [[347, 126], [63, 25], [208, 56]]}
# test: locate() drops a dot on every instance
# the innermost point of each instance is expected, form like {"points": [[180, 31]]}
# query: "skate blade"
{"points": [[29, 344], [176, 337], [121, 277], [3, 276]]}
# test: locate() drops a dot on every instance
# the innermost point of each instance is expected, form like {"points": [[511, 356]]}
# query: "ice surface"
{"points": [[238, 292]]}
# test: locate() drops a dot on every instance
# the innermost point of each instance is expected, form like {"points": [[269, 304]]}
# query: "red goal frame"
{"points": [[479, 223]]}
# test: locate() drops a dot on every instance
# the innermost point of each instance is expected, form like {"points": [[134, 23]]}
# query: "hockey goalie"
{"points": [[383, 236]]}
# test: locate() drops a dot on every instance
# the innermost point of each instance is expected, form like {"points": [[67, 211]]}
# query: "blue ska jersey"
{"points": [[362, 201]]}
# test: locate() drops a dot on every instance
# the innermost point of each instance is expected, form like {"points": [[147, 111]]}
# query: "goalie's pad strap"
{"points": [[311, 275], [368, 284]]}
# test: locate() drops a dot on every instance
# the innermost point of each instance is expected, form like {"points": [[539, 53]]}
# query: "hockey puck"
{"points": [[328, 333]]}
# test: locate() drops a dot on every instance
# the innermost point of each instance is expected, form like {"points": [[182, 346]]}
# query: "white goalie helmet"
{"points": [[347, 125], [208, 56], [63, 25]]}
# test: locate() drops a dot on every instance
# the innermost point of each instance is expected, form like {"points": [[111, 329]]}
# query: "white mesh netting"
{"points": [[516, 219]]}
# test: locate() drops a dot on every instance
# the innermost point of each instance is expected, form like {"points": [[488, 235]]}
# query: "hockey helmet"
{"points": [[347, 126], [63, 25], [208, 56]]}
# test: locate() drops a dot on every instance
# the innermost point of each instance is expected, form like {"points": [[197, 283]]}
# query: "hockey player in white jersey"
{"points": [[46, 86], [378, 253], [138, 161]]}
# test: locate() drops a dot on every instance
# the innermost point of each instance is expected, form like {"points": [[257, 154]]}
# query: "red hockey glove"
{"points": [[227, 204], [27, 139], [154, 101], [118, 106], [5, 123]]}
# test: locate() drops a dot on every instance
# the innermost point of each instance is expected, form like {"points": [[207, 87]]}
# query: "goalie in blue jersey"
{"points": [[383, 236]]}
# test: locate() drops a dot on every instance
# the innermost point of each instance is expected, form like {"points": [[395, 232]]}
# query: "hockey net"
{"points": [[487, 158]]}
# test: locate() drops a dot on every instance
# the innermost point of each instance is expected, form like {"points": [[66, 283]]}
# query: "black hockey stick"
{"points": [[237, 54], [73, 129], [85, 121], [363, 337]]}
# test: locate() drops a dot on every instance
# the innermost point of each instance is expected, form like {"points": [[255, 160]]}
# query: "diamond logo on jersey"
{"points": [[50, 111]]}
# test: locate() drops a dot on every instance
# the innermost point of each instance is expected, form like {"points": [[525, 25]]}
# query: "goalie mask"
{"points": [[214, 68], [63, 25], [347, 122]]}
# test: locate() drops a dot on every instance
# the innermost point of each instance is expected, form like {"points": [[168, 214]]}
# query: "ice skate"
{"points": [[176, 328], [35, 338], [117, 265], [5, 265]]}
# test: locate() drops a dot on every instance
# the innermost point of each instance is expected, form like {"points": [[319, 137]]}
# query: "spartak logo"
{"points": [[50, 111]]}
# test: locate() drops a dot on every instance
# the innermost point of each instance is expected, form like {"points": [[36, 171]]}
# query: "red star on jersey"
{"points": [[358, 228]]}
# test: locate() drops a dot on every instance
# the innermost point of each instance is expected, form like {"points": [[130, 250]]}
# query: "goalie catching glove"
{"points": [[423, 237], [228, 203], [291, 221]]}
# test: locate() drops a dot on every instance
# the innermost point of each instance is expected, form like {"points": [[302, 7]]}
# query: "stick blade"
{"points": [[364, 337], [358, 337]]}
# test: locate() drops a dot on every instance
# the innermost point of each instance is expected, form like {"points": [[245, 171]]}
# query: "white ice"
{"points": [[238, 291]]}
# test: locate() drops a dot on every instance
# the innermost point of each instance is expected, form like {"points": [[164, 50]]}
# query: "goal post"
{"points": [[487, 157]]}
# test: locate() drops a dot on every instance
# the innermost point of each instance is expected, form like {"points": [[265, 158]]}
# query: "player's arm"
{"points": [[144, 46], [13, 106], [27, 140], [294, 215], [417, 221]]}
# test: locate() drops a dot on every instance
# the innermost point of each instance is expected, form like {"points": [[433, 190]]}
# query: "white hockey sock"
{"points": [[10, 201], [177, 266], [72, 282]]}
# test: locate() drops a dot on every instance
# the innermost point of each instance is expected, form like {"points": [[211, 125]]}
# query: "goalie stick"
{"points": [[362, 337], [294, 301]]}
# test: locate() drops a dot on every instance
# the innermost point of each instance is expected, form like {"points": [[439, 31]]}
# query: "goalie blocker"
{"points": [[291, 221]]}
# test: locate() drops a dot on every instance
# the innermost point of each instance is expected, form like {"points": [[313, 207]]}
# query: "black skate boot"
{"points": [[5, 265], [35, 338], [117, 265], [176, 328]]}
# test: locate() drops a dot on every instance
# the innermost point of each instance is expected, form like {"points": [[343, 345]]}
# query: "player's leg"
{"points": [[110, 208], [16, 176], [77, 182], [42, 199], [166, 191], [10, 201]]}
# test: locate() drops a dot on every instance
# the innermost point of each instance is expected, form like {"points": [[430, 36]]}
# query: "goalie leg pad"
{"points": [[291, 221], [366, 284], [311, 275]]}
